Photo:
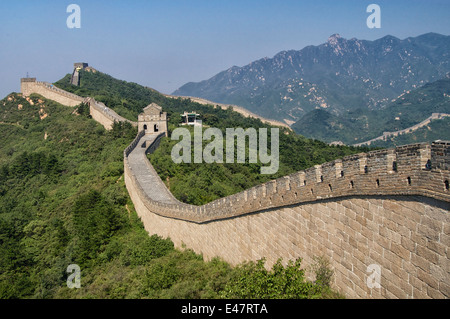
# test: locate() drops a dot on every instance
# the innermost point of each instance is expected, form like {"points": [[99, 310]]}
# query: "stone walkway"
{"points": [[146, 175]]}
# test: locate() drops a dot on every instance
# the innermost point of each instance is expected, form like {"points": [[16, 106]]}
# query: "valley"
{"points": [[345, 90]]}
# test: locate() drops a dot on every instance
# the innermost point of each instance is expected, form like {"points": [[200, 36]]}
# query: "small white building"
{"points": [[190, 118]]}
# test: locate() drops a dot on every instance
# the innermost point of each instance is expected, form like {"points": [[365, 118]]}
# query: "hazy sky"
{"points": [[164, 44]]}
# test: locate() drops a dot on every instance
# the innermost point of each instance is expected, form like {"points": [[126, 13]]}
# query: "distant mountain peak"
{"points": [[390, 38], [334, 39], [341, 74]]}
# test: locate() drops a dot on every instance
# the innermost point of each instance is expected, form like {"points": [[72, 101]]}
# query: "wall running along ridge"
{"points": [[98, 110], [388, 135], [387, 207], [49, 91]]}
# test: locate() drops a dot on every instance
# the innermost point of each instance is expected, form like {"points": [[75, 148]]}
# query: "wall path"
{"points": [[358, 211], [387, 208]]}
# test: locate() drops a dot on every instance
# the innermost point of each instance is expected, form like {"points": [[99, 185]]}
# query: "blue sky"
{"points": [[164, 44]]}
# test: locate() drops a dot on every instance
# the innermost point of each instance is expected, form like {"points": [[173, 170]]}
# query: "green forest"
{"points": [[198, 184], [362, 125], [63, 201]]}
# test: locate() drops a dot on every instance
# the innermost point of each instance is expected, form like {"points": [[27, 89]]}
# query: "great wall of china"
{"points": [[386, 135], [235, 108], [99, 111], [387, 207]]}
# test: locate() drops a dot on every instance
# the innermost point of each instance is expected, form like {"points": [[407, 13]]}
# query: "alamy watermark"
{"points": [[374, 279], [74, 279], [374, 20], [214, 151], [74, 19]]}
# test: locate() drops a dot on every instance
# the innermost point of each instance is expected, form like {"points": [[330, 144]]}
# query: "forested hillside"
{"points": [[63, 201], [361, 125], [201, 183]]}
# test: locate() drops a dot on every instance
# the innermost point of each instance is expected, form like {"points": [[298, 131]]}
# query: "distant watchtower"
{"points": [[75, 79], [26, 85], [153, 120]]}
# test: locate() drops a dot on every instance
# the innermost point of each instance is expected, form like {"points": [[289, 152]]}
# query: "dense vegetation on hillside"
{"points": [[201, 183], [361, 125], [435, 130], [63, 201], [126, 98]]}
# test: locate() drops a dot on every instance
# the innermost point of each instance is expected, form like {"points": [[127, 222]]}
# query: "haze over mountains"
{"points": [[338, 76]]}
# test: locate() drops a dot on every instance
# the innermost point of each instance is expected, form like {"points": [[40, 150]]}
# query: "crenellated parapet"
{"points": [[49, 91], [386, 209], [104, 115], [415, 170]]}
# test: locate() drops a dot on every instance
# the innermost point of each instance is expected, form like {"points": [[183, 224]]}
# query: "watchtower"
{"points": [[26, 85], [75, 79], [153, 120], [80, 65]]}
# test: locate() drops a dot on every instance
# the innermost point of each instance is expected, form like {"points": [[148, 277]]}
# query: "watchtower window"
{"points": [[394, 166], [145, 127], [428, 165], [155, 128]]}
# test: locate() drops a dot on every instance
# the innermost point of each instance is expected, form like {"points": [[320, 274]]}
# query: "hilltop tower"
{"points": [[26, 85], [75, 79], [153, 120]]}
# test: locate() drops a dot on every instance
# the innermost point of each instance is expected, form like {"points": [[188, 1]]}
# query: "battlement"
{"points": [[417, 169], [30, 85], [385, 207], [81, 65], [50, 86], [104, 115], [28, 80]]}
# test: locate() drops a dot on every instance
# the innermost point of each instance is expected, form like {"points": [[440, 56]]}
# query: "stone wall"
{"points": [[388, 208], [49, 91], [104, 115], [387, 135], [75, 78], [99, 111], [370, 173]]}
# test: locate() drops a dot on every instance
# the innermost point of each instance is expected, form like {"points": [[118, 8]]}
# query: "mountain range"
{"points": [[339, 76]]}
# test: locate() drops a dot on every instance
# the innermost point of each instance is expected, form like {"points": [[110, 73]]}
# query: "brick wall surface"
{"points": [[47, 90], [385, 208]]}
